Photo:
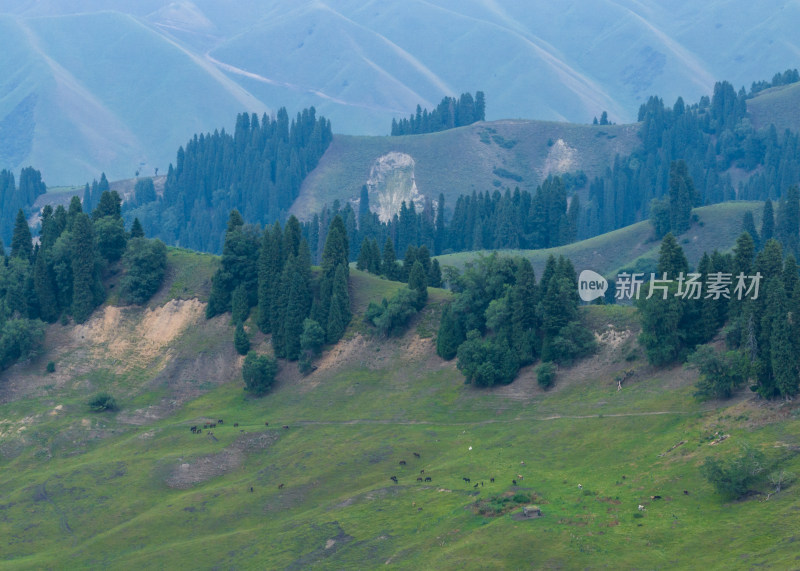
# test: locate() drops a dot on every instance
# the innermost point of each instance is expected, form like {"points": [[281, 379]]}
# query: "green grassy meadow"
{"points": [[136, 489], [717, 227]]}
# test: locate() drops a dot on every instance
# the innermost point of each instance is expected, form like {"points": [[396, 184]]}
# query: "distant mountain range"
{"points": [[117, 85]]}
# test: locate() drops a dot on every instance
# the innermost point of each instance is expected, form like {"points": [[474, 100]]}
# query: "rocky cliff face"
{"points": [[391, 182]]}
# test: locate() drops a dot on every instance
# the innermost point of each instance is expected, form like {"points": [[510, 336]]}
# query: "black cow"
{"points": [[219, 421], [416, 455], [491, 480], [466, 480], [193, 429], [286, 426], [266, 424], [427, 478], [280, 486], [236, 425], [402, 462], [394, 479], [419, 479], [514, 482]]}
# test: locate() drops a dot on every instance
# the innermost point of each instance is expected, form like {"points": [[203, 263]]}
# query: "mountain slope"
{"points": [[137, 488], [124, 82], [717, 228], [480, 157]]}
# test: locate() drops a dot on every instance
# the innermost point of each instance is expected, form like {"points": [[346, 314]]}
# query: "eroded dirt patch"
{"points": [[195, 471]]}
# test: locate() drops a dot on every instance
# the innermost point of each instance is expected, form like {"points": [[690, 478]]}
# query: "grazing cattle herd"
{"points": [[196, 429]]}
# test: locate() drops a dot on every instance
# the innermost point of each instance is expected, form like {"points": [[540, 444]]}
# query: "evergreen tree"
{"points": [[145, 263], [110, 205], [435, 275], [682, 196], [388, 262], [749, 226], [45, 287], [671, 259], [74, 210], [336, 251], [313, 336], [340, 300], [441, 232], [84, 278], [240, 340], [450, 335], [767, 222], [21, 242], [787, 229], [296, 308], [240, 308], [136, 229], [364, 255], [110, 237], [336, 325], [524, 321], [417, 281]]}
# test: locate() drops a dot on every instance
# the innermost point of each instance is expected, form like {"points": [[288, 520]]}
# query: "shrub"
{"points": [[258, 373], [51, 367], [546, 375], [392, 317], [736, 477], [313, 336], [720, 374], [102, 402], [240, 340]]}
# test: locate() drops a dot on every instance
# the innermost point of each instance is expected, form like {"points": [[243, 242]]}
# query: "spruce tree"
{"points": [[21, 241], [440, 240], [787, 228], [336, 251], [364, 255], [389, 260], [336, 325], [83, 273], [524, 320], [767, 222], [450, 334], [295, 311], [240, 309], [74, 209], [136, 229], [682, 196], [45, 287], [240, 340], [783, 360], [435, 275], [671, 259], [749, 226], [418, 282], [280, 301]]}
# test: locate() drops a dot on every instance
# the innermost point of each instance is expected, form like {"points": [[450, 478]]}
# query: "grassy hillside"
{"points": [[137, 489], [777, 106], [717, 227], [467, 159]]}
